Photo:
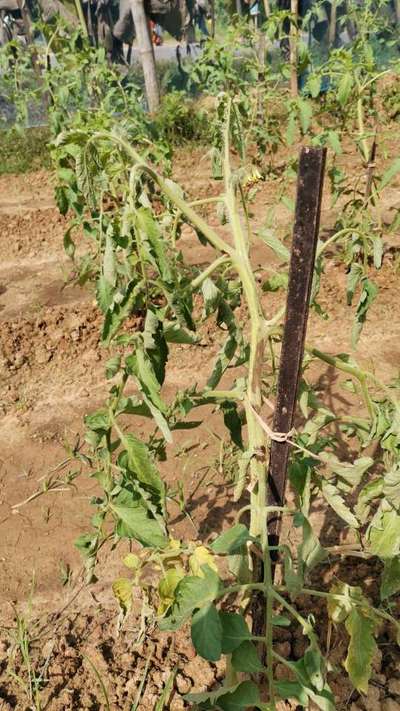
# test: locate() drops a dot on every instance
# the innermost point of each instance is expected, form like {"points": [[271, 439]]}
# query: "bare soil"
{"points": [[51, 375]]}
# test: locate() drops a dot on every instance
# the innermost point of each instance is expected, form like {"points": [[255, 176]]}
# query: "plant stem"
{"points": [[223, 259]]}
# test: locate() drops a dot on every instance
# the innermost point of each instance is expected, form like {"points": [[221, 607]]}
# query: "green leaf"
{"points": [[305, 114], [232, 540], [109, 272], [313, 664], [384, 534], [69, 245], [135, 522], [344, 89], [234, 698], [191, 593], [99, 420], [314, 85], [112, 366], [275, 244], [225, 356], [310, 552], [233, 422], [234, 631], [390, 582], [104, 293], [246, 659], [291, 690], [390, 173], [281, 621], [244, 696], [207, 633], [361, 649], [276, 282], [140, 365], [334, 142]]}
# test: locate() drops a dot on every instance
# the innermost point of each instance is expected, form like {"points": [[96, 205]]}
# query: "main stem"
{"points": [[255, 434]]}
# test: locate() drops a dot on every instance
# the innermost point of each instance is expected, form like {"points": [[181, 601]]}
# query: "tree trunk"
{"points": [[397, 6], [238, 7], [294, 87], [212, 18], [146, 51], [332, 23]]}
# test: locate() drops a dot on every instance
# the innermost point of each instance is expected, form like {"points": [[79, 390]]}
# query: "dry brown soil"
{"points": [[51, 374]]}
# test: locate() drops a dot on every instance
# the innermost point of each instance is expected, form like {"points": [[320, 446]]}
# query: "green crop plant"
{"points": [[140, 269]]}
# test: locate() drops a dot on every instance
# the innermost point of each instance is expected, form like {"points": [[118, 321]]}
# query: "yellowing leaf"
{"points": [[200, 557], [361, 649], [132, 561], [340, 609], [122, 589], [166, 588], [384, 534]]}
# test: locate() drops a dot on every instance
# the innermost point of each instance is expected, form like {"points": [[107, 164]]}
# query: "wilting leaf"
{"points": [[384, 533], [333, 498], [199, 558], [132, 561], [122, 589], [167, 587], [310, 552], [340, 608], [275, 244], [140, 462], [391, 486], [368, 295], [390, 582], [361, 650]]}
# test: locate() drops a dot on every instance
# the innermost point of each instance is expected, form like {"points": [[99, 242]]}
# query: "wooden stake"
{"points": [[305, 237], [294, 9], [146, 51]]}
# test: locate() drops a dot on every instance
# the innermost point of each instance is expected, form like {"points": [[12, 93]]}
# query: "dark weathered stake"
{"points": [[305, 237]]}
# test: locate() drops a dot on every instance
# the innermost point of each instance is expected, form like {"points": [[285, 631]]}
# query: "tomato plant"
{"points": [[113, 171]]}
